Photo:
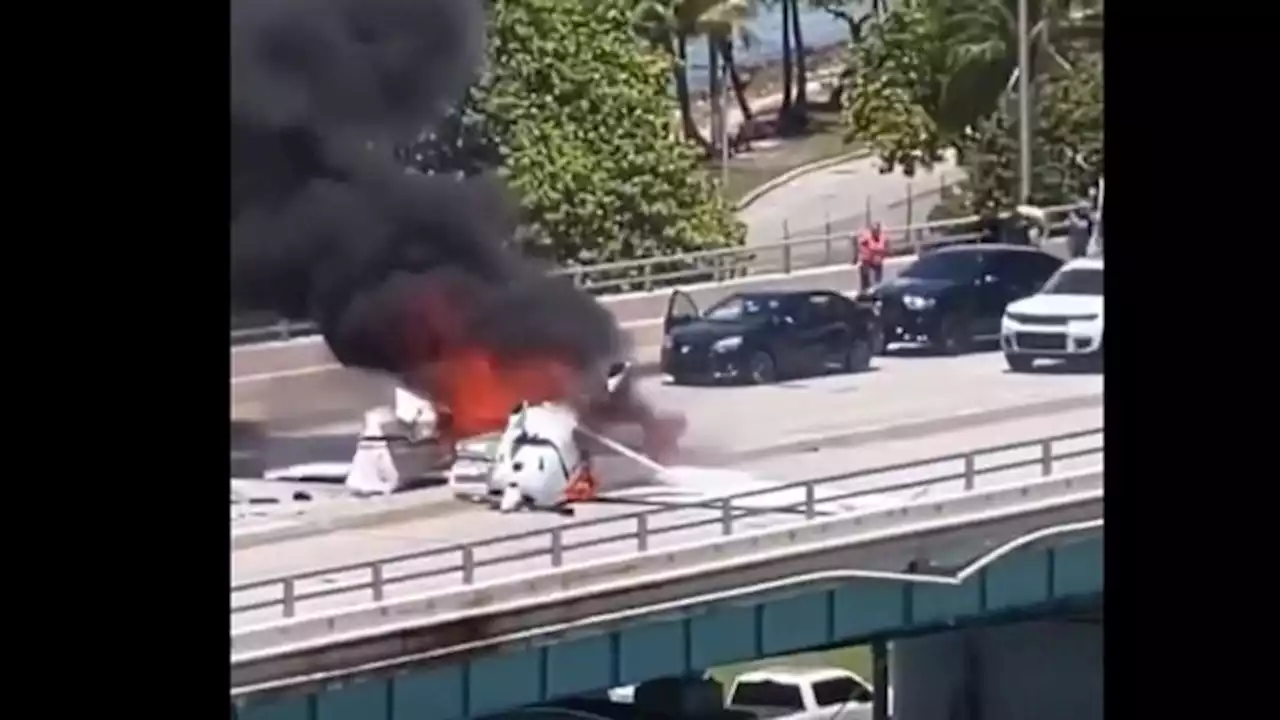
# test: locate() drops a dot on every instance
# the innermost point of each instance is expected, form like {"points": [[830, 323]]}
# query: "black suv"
{"points": [[956, 295], [761, 336]]}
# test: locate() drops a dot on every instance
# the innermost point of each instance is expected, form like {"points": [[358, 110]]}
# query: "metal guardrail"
{"points": [[373, 579], [646, 274]]}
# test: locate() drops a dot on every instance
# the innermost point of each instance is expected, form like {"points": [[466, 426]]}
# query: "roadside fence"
{"points": [[828, 242]]}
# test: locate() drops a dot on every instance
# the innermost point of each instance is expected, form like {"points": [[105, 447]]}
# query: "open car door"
{"points": [[681, 309]]}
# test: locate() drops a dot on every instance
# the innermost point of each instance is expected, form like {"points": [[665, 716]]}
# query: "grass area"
{"points": [[768, 160], [855, 659]]}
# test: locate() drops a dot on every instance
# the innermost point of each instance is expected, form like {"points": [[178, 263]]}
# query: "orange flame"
{"points": [[480, 392]]}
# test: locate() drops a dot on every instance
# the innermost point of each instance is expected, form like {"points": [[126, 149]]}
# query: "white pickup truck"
{"points": [[802, 693]]}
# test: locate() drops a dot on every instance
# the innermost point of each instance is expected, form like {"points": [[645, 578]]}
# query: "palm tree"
{"points": [[787, 9], [982, 45], [721, 23], [802, 75]]}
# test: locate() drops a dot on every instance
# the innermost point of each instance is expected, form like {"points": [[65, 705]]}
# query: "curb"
{"points": [[770, 185], [426, 508]]}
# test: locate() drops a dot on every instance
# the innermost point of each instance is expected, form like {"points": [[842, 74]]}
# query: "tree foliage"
{"points": [[938, 75], [927, 72], [575, 110], [1066, 143]]}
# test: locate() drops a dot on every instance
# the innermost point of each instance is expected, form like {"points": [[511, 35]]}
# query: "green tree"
{"points": [[1066, 145], [929, 70], [670, 24], [578, 108]]}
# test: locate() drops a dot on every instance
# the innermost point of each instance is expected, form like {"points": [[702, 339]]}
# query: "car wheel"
{"points": [[876, 336], [857, 357], [761, 369], [1019, 363], [954, 337], [1093, 361]]}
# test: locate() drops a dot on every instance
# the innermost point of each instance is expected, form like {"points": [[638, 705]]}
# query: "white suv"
{"points": [[1062, 321]]}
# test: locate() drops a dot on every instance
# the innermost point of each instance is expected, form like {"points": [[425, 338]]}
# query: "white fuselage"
{"points": [[1052, 326], [537, 457]]}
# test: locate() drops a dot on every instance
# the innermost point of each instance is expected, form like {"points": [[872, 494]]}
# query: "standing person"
{"points": [[1079, 230], [1096, 197], [871, 253]]}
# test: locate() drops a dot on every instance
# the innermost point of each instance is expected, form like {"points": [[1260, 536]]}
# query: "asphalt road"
{"points": [[905, 387], [837, 199], [471, 524]]}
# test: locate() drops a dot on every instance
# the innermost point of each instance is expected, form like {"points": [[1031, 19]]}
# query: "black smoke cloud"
{"points": [[325, 224]]}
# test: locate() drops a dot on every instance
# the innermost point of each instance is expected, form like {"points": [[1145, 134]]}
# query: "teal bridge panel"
{"points": [[704, 637]]}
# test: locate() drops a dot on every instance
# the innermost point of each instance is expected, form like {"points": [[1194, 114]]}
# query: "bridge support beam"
{"points": [[880, 680], [1048, 670]]}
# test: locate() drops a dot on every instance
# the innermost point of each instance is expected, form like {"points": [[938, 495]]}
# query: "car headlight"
{"points": [[727, 344], [915, 302], [667, 342]]}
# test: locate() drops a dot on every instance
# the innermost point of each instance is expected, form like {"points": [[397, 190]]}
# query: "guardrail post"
{"points": [[642, 533], [375, 579], [912, 236], [289, 600], [970, 473], [726, 517], [786, 248], [810, 496], [826, 232], [557, 547], [1046, 458], [468, 565]]}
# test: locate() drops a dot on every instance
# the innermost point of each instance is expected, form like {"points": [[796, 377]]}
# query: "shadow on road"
{"points": [[924, 351], [1058, 367]]}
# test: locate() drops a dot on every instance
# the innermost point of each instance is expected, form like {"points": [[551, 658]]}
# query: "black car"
{"points": [[759, 337], [956, 295]]}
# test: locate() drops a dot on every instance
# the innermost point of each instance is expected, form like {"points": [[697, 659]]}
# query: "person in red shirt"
{"points": [[872, 250]]}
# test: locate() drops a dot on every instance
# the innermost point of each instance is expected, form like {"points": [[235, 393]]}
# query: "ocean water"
{"points": [[819, 30]]}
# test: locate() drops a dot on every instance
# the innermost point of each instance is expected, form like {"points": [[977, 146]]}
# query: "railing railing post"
{"points": [[970, 473], [1046, 458], [290, 601], [557, 547], [375, 579], [726, 517], [810, 504], [468, 565], [642, 532]]}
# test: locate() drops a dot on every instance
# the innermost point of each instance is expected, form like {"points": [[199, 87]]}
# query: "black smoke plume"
{"points": [[326, 224]]}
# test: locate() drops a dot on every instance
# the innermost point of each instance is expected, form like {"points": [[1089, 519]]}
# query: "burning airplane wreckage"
{"points": [[413, 275]]}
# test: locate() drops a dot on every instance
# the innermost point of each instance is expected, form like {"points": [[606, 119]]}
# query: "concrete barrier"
{"points": [[775, 546], [297, 383]]}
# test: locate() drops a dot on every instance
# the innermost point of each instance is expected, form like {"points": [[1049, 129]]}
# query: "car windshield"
{"points": [[1075, 281], [740, 307], [944, 266]]}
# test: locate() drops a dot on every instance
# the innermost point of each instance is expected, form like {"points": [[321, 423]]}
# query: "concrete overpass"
{"points": [[467, 638]]}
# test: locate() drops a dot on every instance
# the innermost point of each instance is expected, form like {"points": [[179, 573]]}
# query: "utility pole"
{"points": [[1024, 106]]}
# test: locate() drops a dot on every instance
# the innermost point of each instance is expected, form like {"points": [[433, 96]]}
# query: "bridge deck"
{"points": [[472, 524]]}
